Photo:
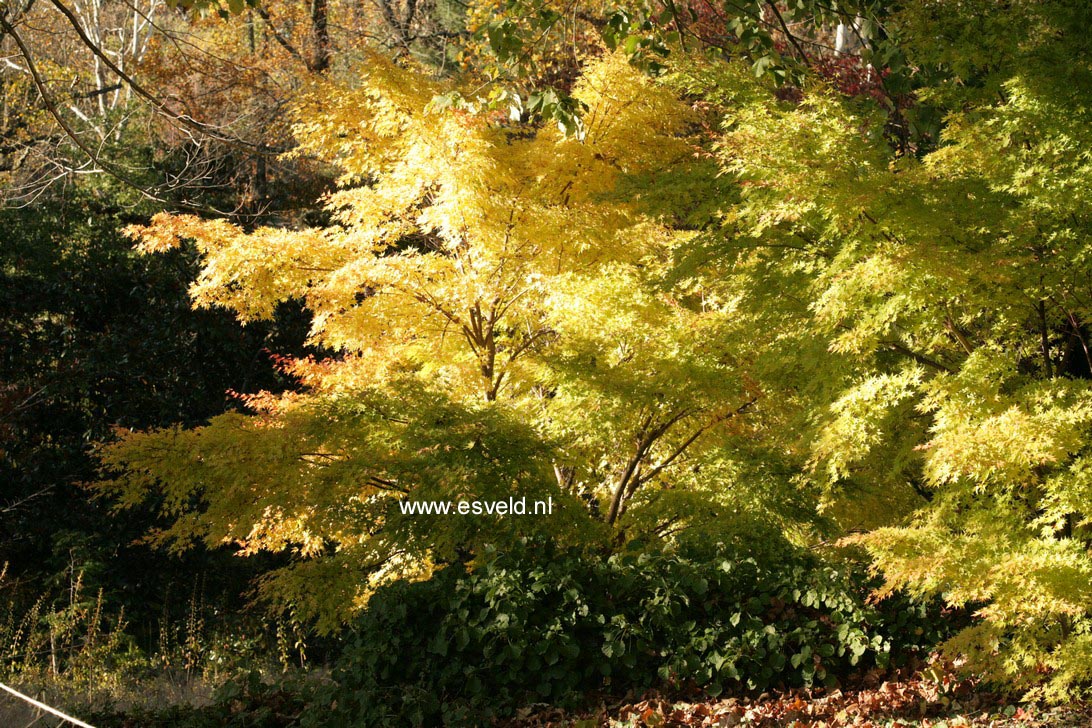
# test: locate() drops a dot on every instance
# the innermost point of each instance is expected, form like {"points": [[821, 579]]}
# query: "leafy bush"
{"points": [[532, 626]]}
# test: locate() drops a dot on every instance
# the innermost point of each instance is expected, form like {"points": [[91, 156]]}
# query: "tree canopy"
{"points": [[693, 286]]}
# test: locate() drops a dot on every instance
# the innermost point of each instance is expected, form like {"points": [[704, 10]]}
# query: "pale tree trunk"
{"points": [[851, 37]]}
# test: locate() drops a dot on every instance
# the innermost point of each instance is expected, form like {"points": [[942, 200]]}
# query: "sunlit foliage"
{"points": [[948, 298], [707, 311], [497, 326]]}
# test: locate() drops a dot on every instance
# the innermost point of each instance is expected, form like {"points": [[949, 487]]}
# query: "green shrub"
{"points": [[535, 626]]}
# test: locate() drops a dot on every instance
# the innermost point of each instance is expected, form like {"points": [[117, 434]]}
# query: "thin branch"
{"points": [[74, 136], [623, 482], [264, 14], [155, 101], [787, 32], [920, 358], [386, 484], [958, 334], [36, 494], [656, 470], [528, 342], [1077, 333], [1044, 337]]}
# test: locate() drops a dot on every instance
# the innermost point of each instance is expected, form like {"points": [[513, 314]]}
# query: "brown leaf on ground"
{"points": [[943, 700]]}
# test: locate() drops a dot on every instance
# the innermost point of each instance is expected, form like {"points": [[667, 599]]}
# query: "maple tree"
{"points": [[937, 305], [709, 306], [491, 305]]}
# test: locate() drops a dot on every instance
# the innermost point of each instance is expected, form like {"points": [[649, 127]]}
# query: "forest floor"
{"points": [[917, 703], [878, 700]]}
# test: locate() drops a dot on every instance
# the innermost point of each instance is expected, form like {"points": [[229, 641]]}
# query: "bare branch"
{"points": [[151, 98]]}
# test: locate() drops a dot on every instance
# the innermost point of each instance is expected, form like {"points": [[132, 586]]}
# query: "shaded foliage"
{"points": [[97, 337], [534, 624]]}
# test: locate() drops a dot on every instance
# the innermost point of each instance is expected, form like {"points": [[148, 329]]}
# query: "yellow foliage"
{"points": [[491, 300]]}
